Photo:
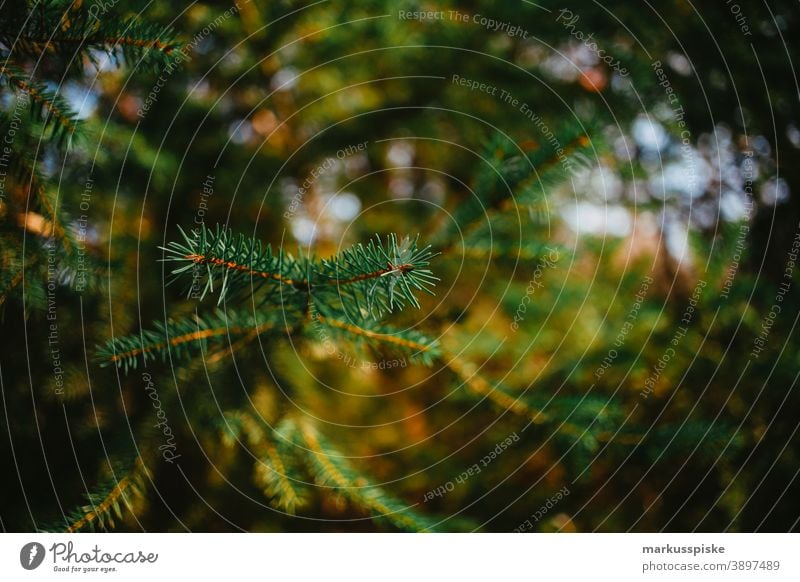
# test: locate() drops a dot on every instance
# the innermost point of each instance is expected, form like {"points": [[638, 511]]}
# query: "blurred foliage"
{"points": [[574, 233]]}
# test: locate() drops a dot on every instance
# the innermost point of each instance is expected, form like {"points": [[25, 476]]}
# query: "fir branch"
{"points": [[585, 418], [375, 278], [220, 258], [101, 513], [28, 173], [502, 170], [107, 503], [509, 177], [468, 374], [378, 277], [331, 470], [277, 469], [10, 283], [57, 27], [355, 283], [232, 347], [361, 332], [94, 41], [674, 440], [53, 109], [550, 169], [272, 474], [217, 262], [417, 345], [108, 42], [180, 339], [16, 268]]}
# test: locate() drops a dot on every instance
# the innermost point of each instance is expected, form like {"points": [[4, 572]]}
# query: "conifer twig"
{"points": [[119, 494], [379, 277], [332, 470], [181, 335], [382, 337]]}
